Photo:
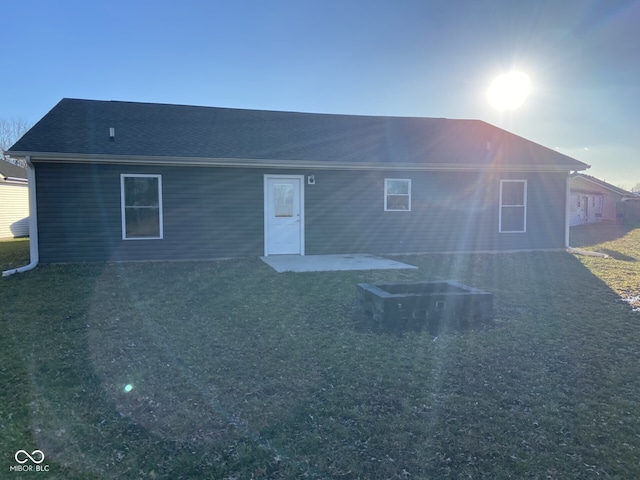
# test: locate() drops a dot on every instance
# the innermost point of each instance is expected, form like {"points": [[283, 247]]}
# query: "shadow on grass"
{"points": [[594, 234], [13, 253], [227, 369]]}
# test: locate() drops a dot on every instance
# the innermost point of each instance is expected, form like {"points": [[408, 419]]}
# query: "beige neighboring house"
{"points": [[593, 200], [14, 201]]}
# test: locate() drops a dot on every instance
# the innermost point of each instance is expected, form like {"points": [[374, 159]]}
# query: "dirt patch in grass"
{"points": [[229, 370]]}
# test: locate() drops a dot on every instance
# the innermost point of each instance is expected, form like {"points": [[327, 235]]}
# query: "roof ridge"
{"points": [[258, 110]]}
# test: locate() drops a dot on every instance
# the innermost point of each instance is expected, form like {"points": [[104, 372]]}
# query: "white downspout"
{"points": [[33, 223]]}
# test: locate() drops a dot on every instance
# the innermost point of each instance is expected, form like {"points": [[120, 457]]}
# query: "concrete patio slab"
{"points": [[328, 263]]}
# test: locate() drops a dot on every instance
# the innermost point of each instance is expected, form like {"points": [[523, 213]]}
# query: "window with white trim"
{"points": [[141, 206], [513, 206], [397, 194]]}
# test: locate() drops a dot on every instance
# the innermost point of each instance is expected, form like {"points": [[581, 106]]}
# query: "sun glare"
{"points": [[509, 90]]}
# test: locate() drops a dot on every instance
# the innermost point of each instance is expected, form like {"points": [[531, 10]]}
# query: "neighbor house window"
{"points": [[141, 200], [397, 194], [513, 206]]}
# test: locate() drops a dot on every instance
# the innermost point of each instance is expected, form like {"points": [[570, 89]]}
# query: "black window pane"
{"points": [[397, 202], [513, 193], [142, 222], [512, 219], [141, 191]]}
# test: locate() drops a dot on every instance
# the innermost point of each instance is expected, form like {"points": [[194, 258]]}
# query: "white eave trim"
{"points": [[271, 163]]}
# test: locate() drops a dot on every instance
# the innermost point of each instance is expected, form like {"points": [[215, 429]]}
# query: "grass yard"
{"points": [[14, 253], [228, 370]]}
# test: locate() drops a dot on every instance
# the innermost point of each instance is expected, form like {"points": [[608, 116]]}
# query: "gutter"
{"points": [[18, 180], [138, 160], [33, 224]]}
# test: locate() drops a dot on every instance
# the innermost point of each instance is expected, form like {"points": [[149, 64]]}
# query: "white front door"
{"points": [[283, 215]]}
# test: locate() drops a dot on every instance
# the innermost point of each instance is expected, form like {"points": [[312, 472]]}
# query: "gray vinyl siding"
{"points": [[207, 213], [450, 212], [211, 212]]}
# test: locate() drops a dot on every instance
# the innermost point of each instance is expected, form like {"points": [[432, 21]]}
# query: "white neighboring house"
{"points": [[593, 200], [14, 201]]}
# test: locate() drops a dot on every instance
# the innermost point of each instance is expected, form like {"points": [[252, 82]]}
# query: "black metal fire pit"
{"points": [[438, 306]]}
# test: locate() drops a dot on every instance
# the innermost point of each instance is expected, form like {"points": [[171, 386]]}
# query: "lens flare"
{"points": [[509, 90]]}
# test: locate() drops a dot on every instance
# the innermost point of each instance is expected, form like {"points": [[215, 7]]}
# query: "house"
{"points": [[593, 200], [14, 201], [121, 181]]}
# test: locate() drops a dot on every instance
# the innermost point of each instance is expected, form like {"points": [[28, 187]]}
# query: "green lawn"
{"points": [[228, 370], [13, 253]]}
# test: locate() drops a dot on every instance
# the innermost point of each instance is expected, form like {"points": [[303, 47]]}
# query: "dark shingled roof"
{"points": [[81, 127]]}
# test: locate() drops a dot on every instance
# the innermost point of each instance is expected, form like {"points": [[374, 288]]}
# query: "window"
{"points": [[141, 203], [283, 199], [513, 206], [397, 194]]}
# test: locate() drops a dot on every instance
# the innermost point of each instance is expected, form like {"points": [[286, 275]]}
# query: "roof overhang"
{"points": [[601, 184], [272, 163]]}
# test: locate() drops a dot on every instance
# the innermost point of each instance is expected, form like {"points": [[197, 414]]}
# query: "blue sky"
{"points": [[374, 57]]}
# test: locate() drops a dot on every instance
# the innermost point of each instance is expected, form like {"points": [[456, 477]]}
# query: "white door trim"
{"points": [[268, 177]]}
